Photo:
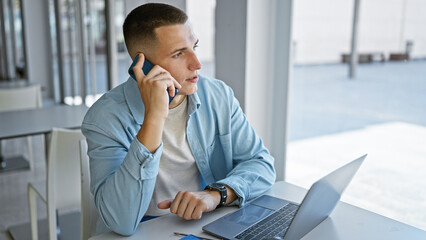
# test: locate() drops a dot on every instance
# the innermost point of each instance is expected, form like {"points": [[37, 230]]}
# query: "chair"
{"points": [[89, 214], [20, 98], [62, 188]]}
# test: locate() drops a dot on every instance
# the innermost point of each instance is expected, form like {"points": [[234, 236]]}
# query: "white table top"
{"points": [[346, 222], [40, 120]]}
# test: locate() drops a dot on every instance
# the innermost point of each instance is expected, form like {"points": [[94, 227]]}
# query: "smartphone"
{"points": [[147, 66]]}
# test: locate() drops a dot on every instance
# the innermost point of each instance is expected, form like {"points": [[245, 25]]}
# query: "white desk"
{"points": [[347, 222], [30, 122], [22, 123]]}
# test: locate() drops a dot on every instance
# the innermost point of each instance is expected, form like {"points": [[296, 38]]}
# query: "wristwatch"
{"points": [[221, 189]]}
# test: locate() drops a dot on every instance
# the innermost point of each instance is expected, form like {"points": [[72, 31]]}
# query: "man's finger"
{"points": [[176, 83], [171, 89], [165, 204], [176, 203], [164, 80], [190, 209], [171, 85], [183, 205], [137, 69], [198, 212]]}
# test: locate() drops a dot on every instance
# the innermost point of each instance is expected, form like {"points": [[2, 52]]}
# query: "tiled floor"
{"points": [[14, 208], [13, 185]]}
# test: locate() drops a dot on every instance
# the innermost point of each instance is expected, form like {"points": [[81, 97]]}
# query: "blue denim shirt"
{"points": [[123, 171]]}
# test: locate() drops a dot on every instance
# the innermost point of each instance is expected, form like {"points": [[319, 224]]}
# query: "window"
{"points": [[12, 55], [202, 17], [334, 119]]}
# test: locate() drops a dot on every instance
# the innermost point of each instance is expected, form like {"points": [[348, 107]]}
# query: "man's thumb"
{"points": [[165, 204]]}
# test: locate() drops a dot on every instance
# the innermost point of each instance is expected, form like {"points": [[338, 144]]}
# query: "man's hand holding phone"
{"points": [[155, 88]]}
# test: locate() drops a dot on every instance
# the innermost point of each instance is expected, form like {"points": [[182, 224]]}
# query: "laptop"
{"points": [[269, 217]]}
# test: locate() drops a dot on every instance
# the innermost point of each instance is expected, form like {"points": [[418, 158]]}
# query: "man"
{"points": [[149, 157]]}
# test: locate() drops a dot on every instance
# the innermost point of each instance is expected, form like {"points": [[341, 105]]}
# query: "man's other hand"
{"points": [[191, 205]]}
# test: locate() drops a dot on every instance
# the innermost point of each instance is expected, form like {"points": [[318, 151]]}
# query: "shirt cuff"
{"points": [[140, 162], [240, 187]]}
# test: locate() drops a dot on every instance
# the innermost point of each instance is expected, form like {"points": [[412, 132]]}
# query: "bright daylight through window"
{"points": [[381, 111]]}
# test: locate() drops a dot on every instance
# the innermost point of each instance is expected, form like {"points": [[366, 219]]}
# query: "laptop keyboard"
{"points": [[275, 224]]}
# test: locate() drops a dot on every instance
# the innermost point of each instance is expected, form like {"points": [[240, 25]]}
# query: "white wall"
{"points": [[230, 45], [322, 29], [268, 73]]}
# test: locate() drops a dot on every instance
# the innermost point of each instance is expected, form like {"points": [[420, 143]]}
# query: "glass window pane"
{"points": [[124, 60], [334, 119], [202, 17]]}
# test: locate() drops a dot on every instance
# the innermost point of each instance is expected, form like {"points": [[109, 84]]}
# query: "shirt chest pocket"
{"points": [[219, 154]]}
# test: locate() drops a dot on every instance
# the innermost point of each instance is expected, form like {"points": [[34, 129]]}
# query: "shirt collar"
{"points": [[137, 109], [193, 103]]}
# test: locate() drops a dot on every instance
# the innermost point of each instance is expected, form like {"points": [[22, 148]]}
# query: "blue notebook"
{"points": [[190, 237]]}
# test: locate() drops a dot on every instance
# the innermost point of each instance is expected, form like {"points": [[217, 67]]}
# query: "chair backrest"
{"points": [[89, 214], [20, 98], [63, 169]]}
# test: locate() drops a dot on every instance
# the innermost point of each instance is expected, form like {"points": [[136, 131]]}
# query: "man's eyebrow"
{"points": [[184, 48]]}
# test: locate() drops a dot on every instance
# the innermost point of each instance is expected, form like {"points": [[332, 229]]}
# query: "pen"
{"points": [[183, 234]]}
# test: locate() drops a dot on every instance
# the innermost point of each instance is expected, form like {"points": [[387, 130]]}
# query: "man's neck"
{"points": [[177, 101]]}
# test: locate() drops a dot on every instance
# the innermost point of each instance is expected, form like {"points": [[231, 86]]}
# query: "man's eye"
{"points": [[177, 55]]}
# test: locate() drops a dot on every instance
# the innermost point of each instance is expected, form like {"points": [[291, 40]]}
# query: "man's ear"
{"points": [[135, 55]]}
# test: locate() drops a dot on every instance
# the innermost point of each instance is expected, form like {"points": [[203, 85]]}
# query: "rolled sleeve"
{"points": [[240, 187], [141, 163]]}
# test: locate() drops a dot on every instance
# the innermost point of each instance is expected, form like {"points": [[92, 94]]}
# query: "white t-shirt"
{"points": [[178, 171]]}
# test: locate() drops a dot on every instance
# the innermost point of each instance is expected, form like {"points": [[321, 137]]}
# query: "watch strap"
{"points": [[221, 189]]}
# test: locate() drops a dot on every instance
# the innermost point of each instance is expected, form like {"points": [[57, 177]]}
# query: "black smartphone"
{"points": [[147, 66]]}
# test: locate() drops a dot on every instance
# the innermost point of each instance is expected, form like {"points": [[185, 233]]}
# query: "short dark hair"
{"points": [[140, 24]]}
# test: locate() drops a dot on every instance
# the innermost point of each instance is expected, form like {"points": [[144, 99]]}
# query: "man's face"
{"points": [[175, 52]]}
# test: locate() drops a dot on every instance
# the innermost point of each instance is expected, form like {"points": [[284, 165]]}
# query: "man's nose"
{"points": [[195, 63]]}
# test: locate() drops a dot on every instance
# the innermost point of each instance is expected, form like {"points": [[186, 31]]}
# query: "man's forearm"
{"points": [[231, 195], [120, 212], [150, 134]]}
